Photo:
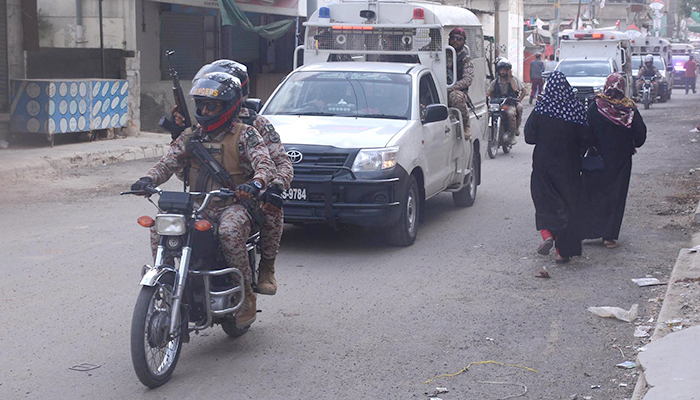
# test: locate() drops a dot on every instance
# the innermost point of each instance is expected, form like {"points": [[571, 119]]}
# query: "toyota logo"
{"points": [[295, 156]]}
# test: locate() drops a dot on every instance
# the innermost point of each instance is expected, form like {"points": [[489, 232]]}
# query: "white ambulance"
{"points": [[366, 121], [588, 56]]}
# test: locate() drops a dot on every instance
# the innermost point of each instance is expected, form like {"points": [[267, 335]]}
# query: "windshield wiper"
{"points": [[388, 116], [315, 113]]}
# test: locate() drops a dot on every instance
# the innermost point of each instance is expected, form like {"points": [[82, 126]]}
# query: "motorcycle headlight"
{"points": [[494, 107], [170, 224], [375, 159]]}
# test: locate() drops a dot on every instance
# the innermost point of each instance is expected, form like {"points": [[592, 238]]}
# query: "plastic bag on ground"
{"points": [[616, 312]]}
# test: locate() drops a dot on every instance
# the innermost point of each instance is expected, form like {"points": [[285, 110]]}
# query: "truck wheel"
{"points": [[467, 196], [405, 231]]}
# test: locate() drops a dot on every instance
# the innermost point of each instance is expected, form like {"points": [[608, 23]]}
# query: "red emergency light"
{"points": [[589, 36], [353, 28], [418, 13]]}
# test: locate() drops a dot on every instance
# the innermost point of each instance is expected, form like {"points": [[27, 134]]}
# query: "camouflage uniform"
{"points": [[457, 94], [233, 221], [271, 233]]}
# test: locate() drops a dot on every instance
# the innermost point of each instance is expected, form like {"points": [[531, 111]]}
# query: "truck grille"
{"points": [[333, 161], [584, 92]]}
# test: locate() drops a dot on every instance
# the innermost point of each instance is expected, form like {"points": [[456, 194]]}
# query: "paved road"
{"points": [[353, 318]]}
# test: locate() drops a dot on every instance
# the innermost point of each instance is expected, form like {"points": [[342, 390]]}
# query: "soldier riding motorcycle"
{"points": [[507, 91], [204, 252]]}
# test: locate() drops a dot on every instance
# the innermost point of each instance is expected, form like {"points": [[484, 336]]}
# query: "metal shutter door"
{"points": [[183, 33]]}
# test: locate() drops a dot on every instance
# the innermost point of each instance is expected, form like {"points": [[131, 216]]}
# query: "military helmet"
{"points": [[216, 86], [231, 67]]}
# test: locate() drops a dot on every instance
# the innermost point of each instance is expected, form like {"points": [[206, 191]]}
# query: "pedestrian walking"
{"points": [[536, 70], [559, 130], [690, 73], [617, 129]]}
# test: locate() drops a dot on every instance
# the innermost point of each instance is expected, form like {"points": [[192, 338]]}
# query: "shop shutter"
{"points": [[246, 44], [183, 33]]}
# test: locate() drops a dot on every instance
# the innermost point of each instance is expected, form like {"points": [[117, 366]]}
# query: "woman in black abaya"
{"points": [[618, 129], [559, 130]]}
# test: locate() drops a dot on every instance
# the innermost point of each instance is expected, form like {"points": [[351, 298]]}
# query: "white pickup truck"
{"points": [[365, 120]]}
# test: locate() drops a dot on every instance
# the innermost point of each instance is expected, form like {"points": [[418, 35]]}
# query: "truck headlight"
{"points": [[375, 159], [598, 89], [170, 224]]}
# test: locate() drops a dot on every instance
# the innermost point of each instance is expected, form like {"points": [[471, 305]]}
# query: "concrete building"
{"points": [[502, 20], [192, 28], [135, 35], [622, 12], [12, 64]]}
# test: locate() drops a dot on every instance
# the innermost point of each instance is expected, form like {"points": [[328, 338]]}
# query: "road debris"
{"points": [[694, 249], [619, 348], [616, 312], [595, 387], [642, 331], [641, 282], [490, 339], [84, 367], [627, 365], [512, 396], [543, 273], [622, 385], [436, 392], [477, 363]]}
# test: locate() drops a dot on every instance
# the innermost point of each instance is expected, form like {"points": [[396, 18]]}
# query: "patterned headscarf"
{"points": [[612, 103], [559, 101]]}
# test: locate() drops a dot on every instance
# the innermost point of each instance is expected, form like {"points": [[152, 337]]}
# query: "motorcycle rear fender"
{"points": [[154, 275]]}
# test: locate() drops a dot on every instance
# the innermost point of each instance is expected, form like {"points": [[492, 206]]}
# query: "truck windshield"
{"points": [[572, 68], [345, 94], [638, 61]]}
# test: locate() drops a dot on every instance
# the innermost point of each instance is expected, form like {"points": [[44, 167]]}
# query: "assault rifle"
{"points": [[181, 107], [196, 148]]}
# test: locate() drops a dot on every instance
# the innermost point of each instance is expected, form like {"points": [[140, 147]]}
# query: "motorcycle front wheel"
{"points": [[646, 101], [153, 353], [492, 148]]}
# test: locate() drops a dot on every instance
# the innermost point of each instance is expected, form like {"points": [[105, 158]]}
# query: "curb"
{"points": [[29, 163], [684, 267]]}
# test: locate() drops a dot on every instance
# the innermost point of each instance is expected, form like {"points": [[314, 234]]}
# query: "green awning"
{"points": [[694, 28], [232, 15], [695, 16]]}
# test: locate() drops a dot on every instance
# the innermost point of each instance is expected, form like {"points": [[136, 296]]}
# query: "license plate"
{"points": [[294, 194]]}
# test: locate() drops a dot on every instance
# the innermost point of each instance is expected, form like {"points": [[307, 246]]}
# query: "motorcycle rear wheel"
{"points": [[154, 356]]}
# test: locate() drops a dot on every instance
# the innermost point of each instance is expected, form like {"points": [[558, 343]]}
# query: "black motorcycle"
{"points": [[647, 92], [498, 126], [189, 288]]}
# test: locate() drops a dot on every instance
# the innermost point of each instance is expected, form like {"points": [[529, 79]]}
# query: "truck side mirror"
{"points": [[435, 112], [670, 68], [253, 104]]}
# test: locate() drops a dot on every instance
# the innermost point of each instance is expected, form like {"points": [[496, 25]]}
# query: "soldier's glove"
{"points": [[272, 197], [142, 184], [246, 191]]}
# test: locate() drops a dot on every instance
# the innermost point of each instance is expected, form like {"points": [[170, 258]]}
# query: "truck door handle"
{"points": [[447, 129]]}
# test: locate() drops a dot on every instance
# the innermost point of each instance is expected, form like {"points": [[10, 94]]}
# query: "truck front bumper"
{"points": [[372, 199]]}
